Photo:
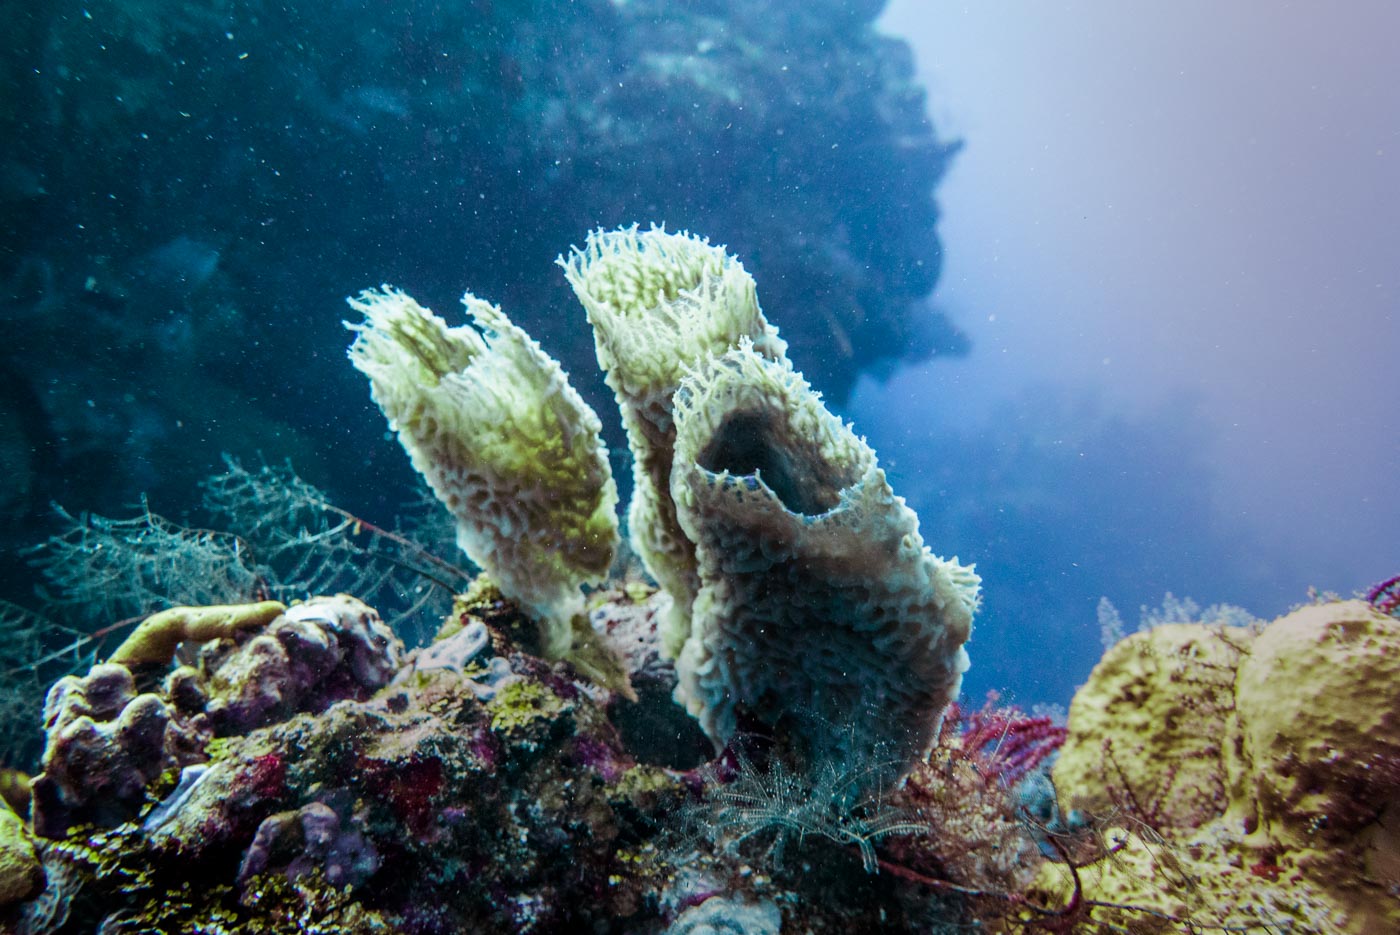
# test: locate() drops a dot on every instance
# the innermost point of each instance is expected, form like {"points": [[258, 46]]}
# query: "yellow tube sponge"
{"points": [[504, 441], [820, 612], [660, 302]]}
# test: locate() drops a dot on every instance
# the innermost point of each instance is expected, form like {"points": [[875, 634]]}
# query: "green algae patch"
{"points": [[638, 592], [520, 705], [481, 599], [644, 790], [272, 904], [644, 782]]}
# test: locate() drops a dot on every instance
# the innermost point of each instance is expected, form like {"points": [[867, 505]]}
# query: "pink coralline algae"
{"points": [[265, 776], [411, 788], [1385, 597], [1005, 744]]}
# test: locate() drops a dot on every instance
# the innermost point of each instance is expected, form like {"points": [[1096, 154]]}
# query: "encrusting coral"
{"points": [[1253, 774], [820, 610], [155, 640], [107, 741], [659, 303], [505, 442]]}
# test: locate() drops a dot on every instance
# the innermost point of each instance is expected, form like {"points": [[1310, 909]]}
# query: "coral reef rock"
{"points": [[1255, 773], [479, 788], [106, 743]]}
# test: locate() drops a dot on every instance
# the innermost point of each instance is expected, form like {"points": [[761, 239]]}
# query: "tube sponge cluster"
{"points": [[658, 302], [802, 592], [505, 442]]}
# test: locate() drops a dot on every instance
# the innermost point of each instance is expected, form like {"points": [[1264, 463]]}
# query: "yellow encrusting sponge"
{"points": [[504, 441], [659, 303]]}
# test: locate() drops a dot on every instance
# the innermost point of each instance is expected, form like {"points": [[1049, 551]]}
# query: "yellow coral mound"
{"points": [[1253, 775]]}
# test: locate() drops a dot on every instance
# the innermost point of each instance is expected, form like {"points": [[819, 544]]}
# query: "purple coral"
{"points": [[105, 743], [310, 838], [318, 652], [1385, 597]]}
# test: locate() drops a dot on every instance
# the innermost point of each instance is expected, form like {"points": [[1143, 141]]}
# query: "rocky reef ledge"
{"points": [[264, 768]]}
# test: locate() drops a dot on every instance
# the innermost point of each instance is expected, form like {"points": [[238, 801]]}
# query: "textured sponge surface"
{"points": [[1264, 761], [660, 302], [504, 441], [820, 610]]}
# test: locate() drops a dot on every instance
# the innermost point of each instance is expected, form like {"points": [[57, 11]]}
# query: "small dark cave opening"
{"points": [[754, 441]]}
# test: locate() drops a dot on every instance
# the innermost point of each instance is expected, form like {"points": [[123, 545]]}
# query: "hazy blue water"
{"points": [[1191, 213]]}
